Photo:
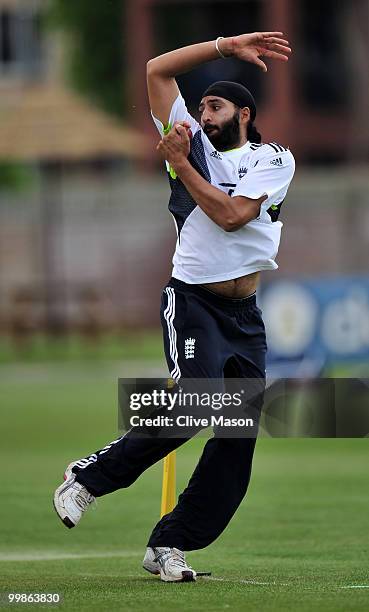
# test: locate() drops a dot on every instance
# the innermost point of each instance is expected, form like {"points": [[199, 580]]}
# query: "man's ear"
{"points": [[245, 115]]}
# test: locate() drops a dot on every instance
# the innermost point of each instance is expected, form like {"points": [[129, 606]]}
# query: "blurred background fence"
{"points": [[85, 237]]}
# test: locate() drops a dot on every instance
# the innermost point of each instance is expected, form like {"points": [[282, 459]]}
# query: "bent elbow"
{"points": [[235, 221], [150, 66], [232, 224], [233, 228]]}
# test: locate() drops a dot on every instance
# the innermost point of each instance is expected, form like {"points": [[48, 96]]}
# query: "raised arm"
{"points": [[162, 70]]}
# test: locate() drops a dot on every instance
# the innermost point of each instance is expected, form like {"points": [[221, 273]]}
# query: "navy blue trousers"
{"points": [[205, 336]]}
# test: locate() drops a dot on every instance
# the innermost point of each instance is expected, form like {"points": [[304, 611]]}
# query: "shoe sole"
{"points": [[65, 520]]}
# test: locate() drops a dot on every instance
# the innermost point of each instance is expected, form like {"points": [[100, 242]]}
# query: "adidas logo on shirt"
{"points": [[216, 155], [277, 162]]}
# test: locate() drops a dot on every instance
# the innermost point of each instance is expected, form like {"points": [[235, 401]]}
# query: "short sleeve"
{"points": [[270, 174], [179, 112]]}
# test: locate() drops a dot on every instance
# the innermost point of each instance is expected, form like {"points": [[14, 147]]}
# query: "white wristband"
{"points": [[217, 47]]}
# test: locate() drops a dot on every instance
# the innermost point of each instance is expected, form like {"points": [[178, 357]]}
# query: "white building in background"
{"points": [[23, 48], [67, 236]]}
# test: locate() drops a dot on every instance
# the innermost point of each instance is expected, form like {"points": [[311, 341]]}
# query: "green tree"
{"points": [[16, 176], [95, 48]]}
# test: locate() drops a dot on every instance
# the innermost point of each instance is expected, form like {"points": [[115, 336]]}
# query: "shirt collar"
{"points": [[242, 149]]}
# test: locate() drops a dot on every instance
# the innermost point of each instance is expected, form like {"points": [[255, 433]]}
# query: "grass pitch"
{"points": [[299, 541]]}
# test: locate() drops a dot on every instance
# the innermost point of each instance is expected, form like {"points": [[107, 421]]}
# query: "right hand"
{"points": [[251, 47], [175, 147], [184, 124]]}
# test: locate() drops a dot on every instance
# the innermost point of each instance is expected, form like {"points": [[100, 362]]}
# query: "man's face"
{"points": [[220, 120]]}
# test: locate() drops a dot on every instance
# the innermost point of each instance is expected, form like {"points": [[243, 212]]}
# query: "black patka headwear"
{"points": [[234, 92]]}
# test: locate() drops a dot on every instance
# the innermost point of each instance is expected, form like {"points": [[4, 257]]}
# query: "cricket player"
{"points": [[227, 189]]}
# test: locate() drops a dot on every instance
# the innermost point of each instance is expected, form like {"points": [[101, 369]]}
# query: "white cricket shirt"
{"points": [[206, 253]]}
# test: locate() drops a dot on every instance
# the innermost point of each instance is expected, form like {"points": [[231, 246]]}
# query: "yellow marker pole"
{"points": [[168, 495]]}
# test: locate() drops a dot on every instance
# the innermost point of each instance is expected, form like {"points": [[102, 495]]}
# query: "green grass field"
{"points": [[299, 541]]}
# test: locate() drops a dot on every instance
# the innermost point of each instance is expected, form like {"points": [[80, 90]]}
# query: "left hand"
{"points": [[251, 47], [175, 147]]}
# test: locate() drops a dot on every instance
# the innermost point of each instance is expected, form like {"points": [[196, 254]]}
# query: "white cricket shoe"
{"points": [[71, 499], [170, 563], [68, 470], [150, 563]]}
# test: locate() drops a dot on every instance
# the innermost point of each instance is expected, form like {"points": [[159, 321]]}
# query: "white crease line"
{"points": [[56, 556], [356, 586], [255, 582]]}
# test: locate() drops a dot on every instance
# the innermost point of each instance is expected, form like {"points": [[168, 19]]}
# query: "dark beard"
{"points": [[227, 137]]}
